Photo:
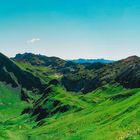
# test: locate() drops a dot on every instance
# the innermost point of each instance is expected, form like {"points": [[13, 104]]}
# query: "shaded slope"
{"points": [[12, 74], [126, 72]]}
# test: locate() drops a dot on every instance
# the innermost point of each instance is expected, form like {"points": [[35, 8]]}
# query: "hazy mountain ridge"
{"points": [[82, 60]]}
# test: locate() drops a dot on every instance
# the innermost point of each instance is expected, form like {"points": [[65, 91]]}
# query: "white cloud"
{"points": [[33, 40]]}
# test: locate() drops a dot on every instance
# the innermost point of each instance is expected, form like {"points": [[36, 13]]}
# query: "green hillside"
{"points": [[113, 118], [100, 101], [11, 107], [110, 113]]}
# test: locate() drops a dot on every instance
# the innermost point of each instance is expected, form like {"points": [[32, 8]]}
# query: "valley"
{"points": [[45, 98]]}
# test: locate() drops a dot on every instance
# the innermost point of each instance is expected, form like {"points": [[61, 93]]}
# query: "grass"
{"points": [[10, 102], [106, 120], [12, 124], [44, 73], [108, 113]]}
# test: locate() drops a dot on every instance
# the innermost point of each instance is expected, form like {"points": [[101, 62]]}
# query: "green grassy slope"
{"points": [[114, 116], [11, 106], [9, 102], [117, 117], [46, 74], [108, 113]]}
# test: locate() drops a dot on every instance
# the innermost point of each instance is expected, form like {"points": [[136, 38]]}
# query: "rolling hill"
{"points": [[49, 98]]}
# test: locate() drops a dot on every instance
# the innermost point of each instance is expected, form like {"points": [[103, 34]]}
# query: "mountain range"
{"points": [[45, 98], [82, 60]]}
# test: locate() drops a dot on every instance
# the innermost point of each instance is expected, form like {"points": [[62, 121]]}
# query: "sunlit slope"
{"points": [[46, 74], [9, 100], [12, 123], [109, 113], [114, 117]]}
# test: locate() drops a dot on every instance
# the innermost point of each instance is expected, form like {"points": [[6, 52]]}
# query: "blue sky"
{"points": [[71, 28]]}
